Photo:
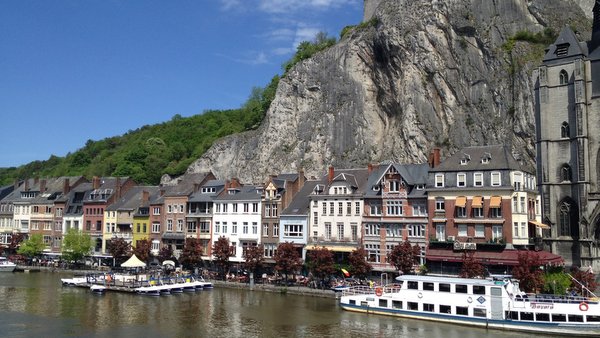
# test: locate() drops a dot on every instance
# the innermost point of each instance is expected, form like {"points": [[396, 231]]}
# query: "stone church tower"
{"points": [[567, 112]]}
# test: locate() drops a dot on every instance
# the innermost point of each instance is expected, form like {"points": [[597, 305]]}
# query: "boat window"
{"points": [[397, 304], [352, 302], [445, 309], [413, 285], [542, 317], [594, 319], [478, 289], [526, 316], [479, 312], [428, 307], [383, 302], [576, 318], [512, 315], [412, 306], [363, 303], [462, 310], [559, 317], [461, 288], [444, 287], [427, 286]]}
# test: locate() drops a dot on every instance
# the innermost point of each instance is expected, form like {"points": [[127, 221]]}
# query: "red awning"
{"points": [[506, 257]]}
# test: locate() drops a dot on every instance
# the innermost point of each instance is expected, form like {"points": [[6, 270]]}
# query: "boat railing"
{"points": [[542, 298], [371, 290]]}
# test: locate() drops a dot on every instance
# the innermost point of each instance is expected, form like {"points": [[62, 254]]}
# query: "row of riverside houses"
{"points": [[479, 200]]}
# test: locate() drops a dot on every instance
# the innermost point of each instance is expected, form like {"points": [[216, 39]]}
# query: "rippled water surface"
{"points": [[36, 305]]}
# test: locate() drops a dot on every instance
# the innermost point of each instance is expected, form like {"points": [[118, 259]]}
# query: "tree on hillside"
{"points": [[32, 246], [254, 259], [359, 266], [529, 273], [471, 268], [221, 251], [191, 256], [165, 253], [119, 248], [404, 256], [143, 250], [585, 281], [320, 263], [76, 245], [287, 259]]}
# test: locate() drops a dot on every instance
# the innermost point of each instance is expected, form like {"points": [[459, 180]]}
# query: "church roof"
{"points": [[566, 46]]}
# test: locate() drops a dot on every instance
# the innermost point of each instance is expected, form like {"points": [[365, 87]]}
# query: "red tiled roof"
{"points": [[506, 257]]}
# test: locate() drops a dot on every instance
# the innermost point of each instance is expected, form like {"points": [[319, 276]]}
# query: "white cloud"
{"points": [[251, 58], [283, 51], [230, 4], [305, 34], [288, 6]]}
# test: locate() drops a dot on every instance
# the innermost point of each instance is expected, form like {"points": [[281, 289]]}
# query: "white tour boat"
{"points": [[6, 265], [487, 303]]}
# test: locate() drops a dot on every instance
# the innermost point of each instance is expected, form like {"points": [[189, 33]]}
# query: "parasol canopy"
{"points": [[133, 262]]}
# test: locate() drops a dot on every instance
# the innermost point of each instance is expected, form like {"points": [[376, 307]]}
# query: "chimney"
{"points": [[301, 178], [370, 167], [434, 158], [26, 188], [196, 187], [66, 186], [162, 192], [36, 180], [95, 182], [330, 174], [235, 183], [42, 186], [145, 196], [16, 185]]}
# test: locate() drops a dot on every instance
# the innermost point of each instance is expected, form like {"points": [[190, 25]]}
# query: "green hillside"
{"points": [[145, 154]]}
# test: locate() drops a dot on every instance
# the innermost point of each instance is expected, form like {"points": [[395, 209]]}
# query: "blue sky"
{"points": [[75, 70]]}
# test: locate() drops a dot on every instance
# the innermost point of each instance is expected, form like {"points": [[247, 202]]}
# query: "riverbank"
{"points": [[295, 290]]}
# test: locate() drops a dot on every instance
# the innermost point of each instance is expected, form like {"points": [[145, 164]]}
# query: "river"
{"points": [[37, 305]]}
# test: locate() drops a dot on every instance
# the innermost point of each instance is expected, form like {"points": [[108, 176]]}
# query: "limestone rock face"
{"points": [[423, 74]]}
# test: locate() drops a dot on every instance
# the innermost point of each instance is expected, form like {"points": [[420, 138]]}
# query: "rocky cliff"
{"points": [[415, 75]]}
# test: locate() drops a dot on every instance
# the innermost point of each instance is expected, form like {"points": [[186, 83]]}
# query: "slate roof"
{"points": [[413, 174], [356, 177], [184, 185], [576, 48], [245, 193], [107, 188], [300, 205], [133, 198], [199, 196], [500, 158]]}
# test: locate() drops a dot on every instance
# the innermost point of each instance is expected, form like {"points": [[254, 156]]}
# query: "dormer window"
{"points": [[376, 187], [420, 186], [562, 49], [486, 158], [466, 158]]}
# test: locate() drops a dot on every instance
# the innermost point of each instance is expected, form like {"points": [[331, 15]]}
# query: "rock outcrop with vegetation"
{"points": [[412, 76]]}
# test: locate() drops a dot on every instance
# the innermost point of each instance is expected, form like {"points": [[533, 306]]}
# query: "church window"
{"points": [[565, 219], [563, 77], [565, 173], [562, 49], [564, 130]]}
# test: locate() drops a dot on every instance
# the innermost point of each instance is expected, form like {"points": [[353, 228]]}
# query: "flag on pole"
{"points": [[346, 273]]}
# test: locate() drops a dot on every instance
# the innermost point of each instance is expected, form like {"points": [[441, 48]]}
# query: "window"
{"points": [[224, 227], [394, 207], [419, 209], [234, 227], [439, 180], [428, 286], [477, 312], [348, 208], [245, 228], [443, 287], [440, 231], [412, 285], [559, 317], [169, 209], [397, 304], [357, 208], [527, 316], [292, 230], [179, 225], [542, 317], [340, 208], [462, 310], [478, 179], [478, 290], [496, 232], [496, 179], [383, 302], [169, 225], [255, 228], [265, 230], [275, 229], [564, 130], [234, 207], [375, 208], [340, 229], [479, 230], [416, 230], [254, 207], [523, 205], [496, 212], [327, 231], [412, 306], [565, 173], [461, 288], [477, 212], [565, 219], [354, 229], [428, 307], [445, 309], [439, 204], [225, 207], [156, 211], [461, 212], [331, 208], [461, 180], [182, 208], [462, 230], [394, 186], [246, 208], [563, 77], [315, 218]]}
